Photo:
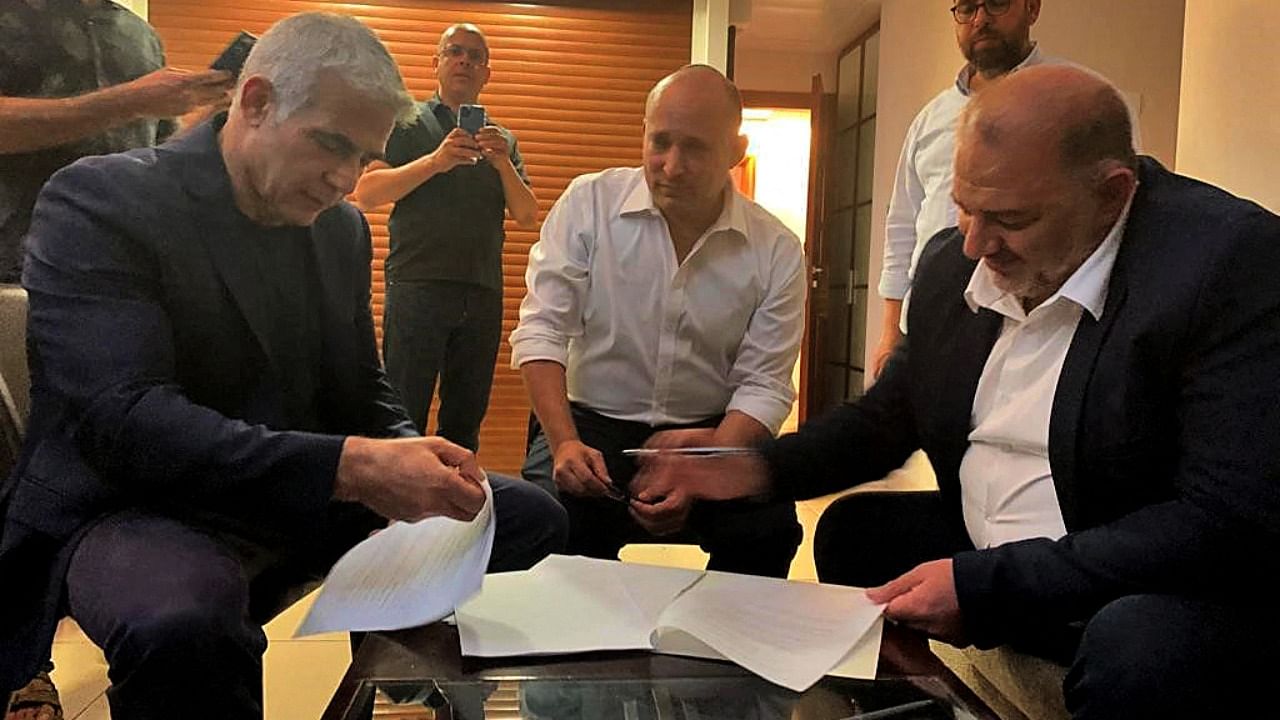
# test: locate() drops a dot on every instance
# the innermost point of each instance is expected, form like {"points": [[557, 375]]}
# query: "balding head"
{"points": [[704, 85], [692, 121], [1059, 111], [1044, 168]]}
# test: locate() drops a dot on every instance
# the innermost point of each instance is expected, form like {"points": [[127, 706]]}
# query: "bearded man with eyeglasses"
{"points": [[451, 189], [995, 38]]}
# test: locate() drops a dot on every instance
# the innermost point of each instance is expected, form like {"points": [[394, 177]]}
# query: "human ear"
{"points": [[256, 96]]}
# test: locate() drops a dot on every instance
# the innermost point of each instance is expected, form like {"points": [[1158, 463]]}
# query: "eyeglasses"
{"points": [[965, 11], [477, 56]]}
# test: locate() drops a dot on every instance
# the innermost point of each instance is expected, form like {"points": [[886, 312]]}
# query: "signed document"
{"points": [[790, 633], [406, 575]]}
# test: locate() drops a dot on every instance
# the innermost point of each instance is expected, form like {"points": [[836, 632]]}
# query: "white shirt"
{"points": [[1006, 483], [646, 339], [921, 204]]}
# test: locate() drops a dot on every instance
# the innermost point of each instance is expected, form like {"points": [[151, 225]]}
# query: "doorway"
{"points": [[771, 175]]}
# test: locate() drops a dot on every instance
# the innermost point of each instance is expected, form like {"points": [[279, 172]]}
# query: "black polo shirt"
{"points": [[449, 227], [57, 49]]}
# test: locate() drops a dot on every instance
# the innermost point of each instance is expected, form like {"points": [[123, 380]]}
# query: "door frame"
{"points": [[821, 107]]}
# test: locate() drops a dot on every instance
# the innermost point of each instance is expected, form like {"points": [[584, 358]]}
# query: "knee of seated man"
{"points": [[554, 519], [1133, 653], [1129, 631], [204, 616], [529, 512]]}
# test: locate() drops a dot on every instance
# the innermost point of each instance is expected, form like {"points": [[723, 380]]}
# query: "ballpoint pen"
{"points": [[897, 711], [691, 451]]}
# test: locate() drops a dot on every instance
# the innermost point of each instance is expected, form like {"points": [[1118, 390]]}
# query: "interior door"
{"points": [[841, 291], [812, 368]]}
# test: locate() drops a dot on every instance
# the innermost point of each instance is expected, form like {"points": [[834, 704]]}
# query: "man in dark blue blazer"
{"points": [[211, 427], [1094, 371]]}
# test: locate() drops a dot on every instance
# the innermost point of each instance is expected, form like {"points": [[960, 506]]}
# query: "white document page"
{"points": [[864, 658], [567, 604], [790, 633], [406, 575]]}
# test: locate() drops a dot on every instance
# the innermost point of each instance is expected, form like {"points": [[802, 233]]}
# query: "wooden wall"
{"points": [[569, 79]]}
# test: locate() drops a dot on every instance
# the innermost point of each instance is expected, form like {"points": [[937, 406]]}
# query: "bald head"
{"points": [[1044, 169], [692, 121], [704, 85], [1053, 111]]}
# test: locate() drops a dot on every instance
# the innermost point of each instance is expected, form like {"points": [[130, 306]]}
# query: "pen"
{"points": [[896, 711], [691, 451]]}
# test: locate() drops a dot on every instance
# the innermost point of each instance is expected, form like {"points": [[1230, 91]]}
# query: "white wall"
{"points": [[138, 6], [764, 69], [1136, 43], [1229, 123]]}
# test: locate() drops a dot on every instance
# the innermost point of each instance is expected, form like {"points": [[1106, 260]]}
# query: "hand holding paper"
{"points": [[410, 478]]}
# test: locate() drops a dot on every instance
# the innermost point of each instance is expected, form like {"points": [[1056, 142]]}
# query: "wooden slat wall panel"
{"points": [[569, 79]]}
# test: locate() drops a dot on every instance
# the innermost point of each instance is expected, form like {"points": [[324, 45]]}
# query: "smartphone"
{"points": [[233, 57], [471, 118]]}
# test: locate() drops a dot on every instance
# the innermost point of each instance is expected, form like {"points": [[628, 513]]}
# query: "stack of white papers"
{"points": [[789, 633], [406, 575]]}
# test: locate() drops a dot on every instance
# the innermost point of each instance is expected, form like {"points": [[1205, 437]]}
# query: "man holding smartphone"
{"points": [[452, 184], [77, 78]]}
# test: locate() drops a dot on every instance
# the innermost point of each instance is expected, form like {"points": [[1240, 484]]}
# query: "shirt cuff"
{"points": [[894, 286], [764, 407], [528, 349]]}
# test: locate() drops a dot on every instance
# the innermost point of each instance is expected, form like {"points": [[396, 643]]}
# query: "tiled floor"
{"points": [[302, 674]]}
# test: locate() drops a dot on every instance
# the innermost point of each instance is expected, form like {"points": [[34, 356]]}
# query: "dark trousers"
{"points": [[448, 331], [178, 610], [1140, 656], [753, 538]]}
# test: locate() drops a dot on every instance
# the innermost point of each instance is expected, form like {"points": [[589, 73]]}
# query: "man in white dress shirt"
{"points": [[995, 39], [660, 298]]}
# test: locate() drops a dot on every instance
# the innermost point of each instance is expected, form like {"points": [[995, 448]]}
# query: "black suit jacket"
{"points": [[1164, 437], [154, 379]]}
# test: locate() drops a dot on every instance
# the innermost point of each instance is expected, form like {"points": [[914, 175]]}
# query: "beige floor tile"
{"points": [[808, 513], [802, 567], [97, 710], [287, 622], [682, 556], [69, 631], [300, 676], [80, 673]]}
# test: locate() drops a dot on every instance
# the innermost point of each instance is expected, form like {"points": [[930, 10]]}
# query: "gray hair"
{"points": [[465, 27], [294, 51]]}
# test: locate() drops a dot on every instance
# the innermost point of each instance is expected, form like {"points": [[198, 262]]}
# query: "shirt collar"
{"points": [[1087, 286], [733, 216], [966, 72], [442, 112]]}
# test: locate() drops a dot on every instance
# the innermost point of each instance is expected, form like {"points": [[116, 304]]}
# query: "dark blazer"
{"points": [[1164, 438], [154, 378]]}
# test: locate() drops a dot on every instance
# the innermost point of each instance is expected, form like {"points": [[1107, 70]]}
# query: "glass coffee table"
{"points": [[419, 673]]}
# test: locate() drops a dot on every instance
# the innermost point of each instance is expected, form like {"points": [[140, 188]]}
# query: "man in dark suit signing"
{"points": [[1094, 371], [211, 427]]}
